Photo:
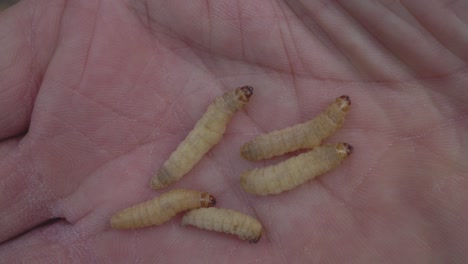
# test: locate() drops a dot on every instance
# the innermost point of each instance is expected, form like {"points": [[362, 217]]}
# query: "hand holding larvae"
{"points": [[261, 181]]}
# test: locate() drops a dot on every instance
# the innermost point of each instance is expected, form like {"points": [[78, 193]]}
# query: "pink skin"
{"points": [[96, 94]]}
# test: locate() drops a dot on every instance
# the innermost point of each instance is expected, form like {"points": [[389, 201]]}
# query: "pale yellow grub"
{"points": [[294, 171], [225, 220], [161, 209], [208, 132], [301, 136]]}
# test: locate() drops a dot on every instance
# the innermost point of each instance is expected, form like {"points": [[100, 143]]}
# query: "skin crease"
{"points": [[94, 96]]}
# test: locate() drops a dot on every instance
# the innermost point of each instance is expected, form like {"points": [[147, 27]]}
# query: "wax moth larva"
{"points": [[294, 171], [301, 136], [161, 209], [207, 132], [225, 220]]}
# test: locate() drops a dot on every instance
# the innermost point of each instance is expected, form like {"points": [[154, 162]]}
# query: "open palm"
{"points": [[95, 95]]}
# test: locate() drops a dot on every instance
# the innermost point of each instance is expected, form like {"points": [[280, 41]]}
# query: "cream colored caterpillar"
{"points": [[207, 132], [161, 209], [294, 171], [225, 220], [306, 135]]}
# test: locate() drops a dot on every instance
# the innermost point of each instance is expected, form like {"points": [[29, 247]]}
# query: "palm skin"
{"points": [[95, 95]]}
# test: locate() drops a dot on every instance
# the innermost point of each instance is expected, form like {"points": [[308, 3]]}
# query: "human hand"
{"points": [[95, 95]]}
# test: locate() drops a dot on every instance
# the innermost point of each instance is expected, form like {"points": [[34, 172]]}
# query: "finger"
{"points": [[27, 38]]}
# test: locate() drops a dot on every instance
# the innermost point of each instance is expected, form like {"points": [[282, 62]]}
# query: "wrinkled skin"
{"points": [[95, 95]]}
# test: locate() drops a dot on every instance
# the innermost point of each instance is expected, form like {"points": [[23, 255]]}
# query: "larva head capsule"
{"points": [[244, 93], [207, 200], [211, 201], [247, 90], [344, 149], [344, 102]]}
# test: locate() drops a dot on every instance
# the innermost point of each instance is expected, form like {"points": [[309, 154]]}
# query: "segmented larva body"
{"points": [[301, 136], [294, 171], [225, 220], [161, 209], [207, 132]]}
